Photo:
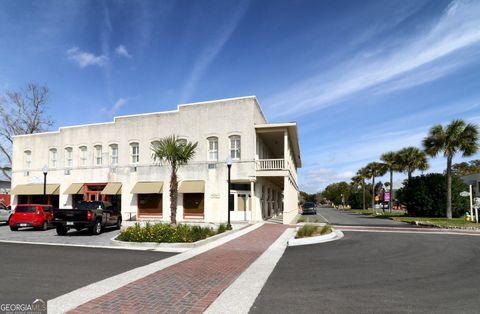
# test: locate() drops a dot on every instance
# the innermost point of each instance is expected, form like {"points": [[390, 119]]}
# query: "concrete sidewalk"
{"points": [[189, 286]]}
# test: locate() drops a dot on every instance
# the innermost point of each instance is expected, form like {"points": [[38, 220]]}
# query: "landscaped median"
{"points": [[162, 235], [314, 233]]}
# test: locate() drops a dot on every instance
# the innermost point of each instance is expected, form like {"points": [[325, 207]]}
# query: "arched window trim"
{"points": [[83, 155], [212, 148], [98, 151], [53, 157], [235, 146], [134, 152], [113, 154]]}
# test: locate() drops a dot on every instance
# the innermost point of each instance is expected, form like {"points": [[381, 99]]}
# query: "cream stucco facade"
{"points": [[264, 171]]}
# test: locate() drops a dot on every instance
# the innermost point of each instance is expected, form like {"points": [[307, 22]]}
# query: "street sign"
{"points": [[464, 194], [386, 196]]}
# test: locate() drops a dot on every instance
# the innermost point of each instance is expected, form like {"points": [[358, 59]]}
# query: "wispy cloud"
{"points": [[340, 161], [112, 110], [84, 59], [212, 49], [122, 52], [456, 30]]}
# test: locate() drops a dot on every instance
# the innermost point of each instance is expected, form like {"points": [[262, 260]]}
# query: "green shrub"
{"points": [[326, 230], [426, 196], [312, 230], [165, 233], [222, 228]]}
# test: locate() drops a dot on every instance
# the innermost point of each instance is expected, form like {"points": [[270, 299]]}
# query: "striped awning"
{"points": [[35, 189], [192, 186], [74, 188], [148, 187], [112, 188]]}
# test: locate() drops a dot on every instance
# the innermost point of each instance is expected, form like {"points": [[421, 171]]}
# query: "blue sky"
{"points": [[359, 77]]}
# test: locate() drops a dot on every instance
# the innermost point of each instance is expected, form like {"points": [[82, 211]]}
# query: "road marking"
{"points": [[326, 220], [168, 250], [241, 294], [405, 230]]}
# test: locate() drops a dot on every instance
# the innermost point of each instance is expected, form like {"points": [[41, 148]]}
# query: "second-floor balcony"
{"points": [[270, 164]]}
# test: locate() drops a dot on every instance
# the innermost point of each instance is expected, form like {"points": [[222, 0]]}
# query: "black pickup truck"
{"points": [[93, 215]]}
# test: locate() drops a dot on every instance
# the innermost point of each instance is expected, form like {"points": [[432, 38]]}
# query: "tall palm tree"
{"points": [[391, 160], [363, 174], [176, 153], [375, 169], [458, 136], [411, 159]]}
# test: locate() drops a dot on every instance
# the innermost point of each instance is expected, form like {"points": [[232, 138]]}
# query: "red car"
{"points": [[31, 215]]}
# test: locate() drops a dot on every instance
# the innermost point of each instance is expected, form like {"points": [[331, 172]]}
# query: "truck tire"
{"points": [[61, 230], [119, 223], [97, 228], [44, 226]]}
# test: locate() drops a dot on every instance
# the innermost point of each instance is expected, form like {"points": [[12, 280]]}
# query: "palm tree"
{"points": [[391, 160], [176, 153], [363, 174], [375, 169], [411, 159], [458, 136]]}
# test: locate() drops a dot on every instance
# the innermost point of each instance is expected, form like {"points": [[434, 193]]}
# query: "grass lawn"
{"points": [[380, 214], [437, 222]]}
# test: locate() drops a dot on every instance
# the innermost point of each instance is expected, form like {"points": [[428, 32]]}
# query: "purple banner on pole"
{"points": [[386, 196]]}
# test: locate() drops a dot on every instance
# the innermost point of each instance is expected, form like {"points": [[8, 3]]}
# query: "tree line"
{"points": [[458, 137]]}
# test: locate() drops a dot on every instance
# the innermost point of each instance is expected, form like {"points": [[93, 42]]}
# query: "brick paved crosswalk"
{"points": [[189, 286]]}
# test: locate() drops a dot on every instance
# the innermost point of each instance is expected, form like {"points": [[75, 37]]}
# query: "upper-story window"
{"points": [[68, 157], [212, 148], [135, 153], [114, 154], [98, 155], [53, 158], [83, 156], [153, 145], [28, 159], [235, 147]]}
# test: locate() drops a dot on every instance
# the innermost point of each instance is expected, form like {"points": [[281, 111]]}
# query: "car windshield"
{"points": [[309, 205], [25, 209]]}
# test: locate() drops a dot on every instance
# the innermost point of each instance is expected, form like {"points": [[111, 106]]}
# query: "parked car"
{"points": [[5, 213], [309, 208], [94, 215], [38, 216]]}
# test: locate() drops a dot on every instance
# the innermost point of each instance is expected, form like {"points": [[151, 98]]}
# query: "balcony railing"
{"points": [[271, 164]]}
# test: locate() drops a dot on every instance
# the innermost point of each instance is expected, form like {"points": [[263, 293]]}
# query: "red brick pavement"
{"points": [[189, 286]]}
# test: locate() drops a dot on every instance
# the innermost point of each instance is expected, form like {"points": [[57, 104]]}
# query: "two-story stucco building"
{"points": [[113, 161]]}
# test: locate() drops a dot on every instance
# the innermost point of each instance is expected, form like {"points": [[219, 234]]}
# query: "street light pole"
{"points": [[229, 166], [45, 171]]}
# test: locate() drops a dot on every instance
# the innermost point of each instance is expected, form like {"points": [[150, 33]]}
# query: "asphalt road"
{"points": [[336, 217], [29, 272], [368, 272]]}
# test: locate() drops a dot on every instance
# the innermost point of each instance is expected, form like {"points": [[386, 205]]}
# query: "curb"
{"points": [[168, 246], [332, 236]]}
